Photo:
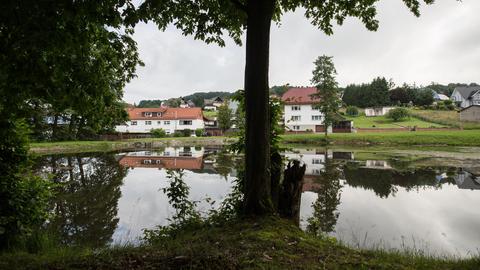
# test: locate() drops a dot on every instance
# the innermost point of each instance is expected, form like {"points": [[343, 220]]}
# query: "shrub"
{"points": [[352, 111], [187, 132], [178, 133], [199, 132], [158, 133], [397, 114]]}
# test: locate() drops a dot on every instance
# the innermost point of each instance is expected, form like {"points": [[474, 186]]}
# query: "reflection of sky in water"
{"points": [[443, 221], [436, 218], [144, 205]]}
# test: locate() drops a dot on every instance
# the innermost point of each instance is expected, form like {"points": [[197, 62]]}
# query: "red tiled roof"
{"points": [[300, 95], [166, 113], [189, 163]]}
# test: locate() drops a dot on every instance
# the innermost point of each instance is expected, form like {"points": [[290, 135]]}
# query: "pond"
{"points": [[364, 199]]}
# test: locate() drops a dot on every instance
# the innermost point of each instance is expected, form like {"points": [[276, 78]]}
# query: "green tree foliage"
{"points": [[23, 196], [199, 132], [197, 98], [279, 90], [374, 94], [401, 95], [158, 133], [424, 97], [149, 103], [324, 79], [352, 111], [224, 117], [397, 114], [73, 58]]}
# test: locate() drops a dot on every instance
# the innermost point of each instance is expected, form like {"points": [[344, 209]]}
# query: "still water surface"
{"points": [[362, 200]]}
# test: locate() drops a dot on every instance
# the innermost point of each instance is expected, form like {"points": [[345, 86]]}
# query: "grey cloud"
{"points": [[443, 45]]}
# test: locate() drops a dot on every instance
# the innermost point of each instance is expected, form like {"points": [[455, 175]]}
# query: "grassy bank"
{"points": [[105, 146], [266, 244], [448, 118], [363, 121], [430, 138], [405, 138]]}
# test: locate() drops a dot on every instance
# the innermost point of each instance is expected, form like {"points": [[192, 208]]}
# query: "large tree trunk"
{"points": [[257, 152]]}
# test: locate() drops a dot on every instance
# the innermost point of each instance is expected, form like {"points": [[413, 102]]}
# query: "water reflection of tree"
{"points": [[385, 182], [85, 210], [325, 214], [224, 163]]}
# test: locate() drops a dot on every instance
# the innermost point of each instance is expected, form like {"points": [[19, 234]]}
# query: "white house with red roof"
{"points": [[300, 112], [143, 120]]}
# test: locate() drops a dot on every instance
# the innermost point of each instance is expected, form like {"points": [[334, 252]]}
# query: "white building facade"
{"points": [[378, 111], [300, 112], [143, 120], [466, 96]]}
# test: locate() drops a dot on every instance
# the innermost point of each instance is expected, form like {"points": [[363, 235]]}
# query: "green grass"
{"points": [[105, 146], [269, 243], [401, 138], [363, 121], [430, 138], [210, 114], [450, 118]]}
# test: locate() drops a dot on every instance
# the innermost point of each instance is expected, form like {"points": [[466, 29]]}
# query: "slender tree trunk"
{"points": [[71, 127], [55, 128], [257, 152]]}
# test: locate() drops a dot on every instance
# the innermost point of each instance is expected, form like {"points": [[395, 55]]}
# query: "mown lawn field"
{"points": [[428, 138], [363, 121], [450, 118]]}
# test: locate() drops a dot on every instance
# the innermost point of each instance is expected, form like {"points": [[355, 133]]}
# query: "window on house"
{"points": [[316, 117], [316, 161], [148, 114], [147, 123], [147, 161], [315, 108], [296, 118], [159, 122], [133, 123], [186, 122], [166, 122], [295, 108], [296, 127]]}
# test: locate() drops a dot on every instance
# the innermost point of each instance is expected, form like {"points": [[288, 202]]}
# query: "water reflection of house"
{"points": [[377, 164], [467, 180], [343, 155], [313, 158], [170, 158]]}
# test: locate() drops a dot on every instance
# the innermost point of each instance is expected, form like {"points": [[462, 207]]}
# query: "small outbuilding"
{"points": [[377, 111], [470, 113]]}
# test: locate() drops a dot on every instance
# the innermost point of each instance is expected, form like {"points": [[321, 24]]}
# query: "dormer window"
{"points": [[147, 114]]}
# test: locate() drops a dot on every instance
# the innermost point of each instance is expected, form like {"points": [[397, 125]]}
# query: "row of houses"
{"points": [[300, 115]]}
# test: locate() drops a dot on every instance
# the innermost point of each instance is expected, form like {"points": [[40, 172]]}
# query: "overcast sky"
{"points": [[443, 46]]}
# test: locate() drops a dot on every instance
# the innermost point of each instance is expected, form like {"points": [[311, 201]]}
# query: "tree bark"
{"points": [[55, 128], [257, 151], [291, 191]]}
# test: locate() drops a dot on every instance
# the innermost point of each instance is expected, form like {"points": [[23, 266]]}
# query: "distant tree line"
{"points": [[197, 98], [381, 92]]}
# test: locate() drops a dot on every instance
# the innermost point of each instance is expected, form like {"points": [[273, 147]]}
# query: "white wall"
{"points": [[306, 112], [170, 126], [315, 160], [170, 152], [456, 97]]}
